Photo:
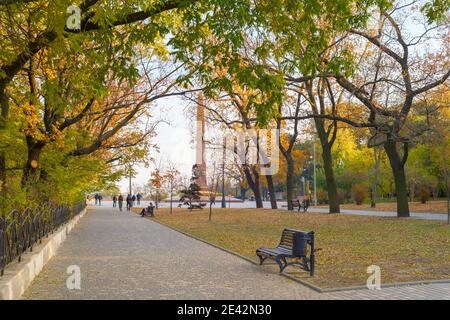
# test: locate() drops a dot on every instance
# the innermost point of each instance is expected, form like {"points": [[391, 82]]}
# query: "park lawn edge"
{"points": [[301, 281], [300, 278]]}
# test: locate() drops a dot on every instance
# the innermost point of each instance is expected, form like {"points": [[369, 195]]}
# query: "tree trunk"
{"points": [[31, 172], [333, 199], [254, 185], [412, 191], [2, 183], [398, 170], [373, 198], [258, 198], [243, 192], [272, 195], [290, 182], [435, 192], [374, 194], [4, 103]]}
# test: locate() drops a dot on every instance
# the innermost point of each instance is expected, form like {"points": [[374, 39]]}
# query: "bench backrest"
{"points": [[296, 241]]}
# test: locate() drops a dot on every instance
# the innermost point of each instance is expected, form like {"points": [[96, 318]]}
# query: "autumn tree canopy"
{"points": [[76, 103]]}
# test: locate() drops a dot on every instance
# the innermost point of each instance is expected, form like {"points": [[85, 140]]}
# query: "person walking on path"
{"points": [[120, 199], [100, 198], [129, 202], [138, 198], [133, 199], [96, 199], [114, 201]]}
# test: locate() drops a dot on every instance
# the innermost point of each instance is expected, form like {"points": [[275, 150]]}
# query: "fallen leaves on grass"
{"points": [[405, 249]]}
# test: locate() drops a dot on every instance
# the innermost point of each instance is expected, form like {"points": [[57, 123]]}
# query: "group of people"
{"points": [[131, 200], [98, 199], [149, 211]]}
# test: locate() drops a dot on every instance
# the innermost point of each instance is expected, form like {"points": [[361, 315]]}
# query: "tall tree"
{"points": [[394, 79], [288, 148]]}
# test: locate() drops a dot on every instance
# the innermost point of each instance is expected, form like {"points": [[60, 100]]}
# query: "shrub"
{"points": [[359, 194], [342, 195], [322, 196], [423, 193]]}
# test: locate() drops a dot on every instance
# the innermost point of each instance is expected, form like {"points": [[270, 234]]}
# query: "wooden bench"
{"points": [[300, 205], [293, 245]]}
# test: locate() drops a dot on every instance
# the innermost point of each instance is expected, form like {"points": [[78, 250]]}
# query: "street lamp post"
{"points": [[171, 195], [314, 161], [303, 184], [130, 169], [224, 203]]}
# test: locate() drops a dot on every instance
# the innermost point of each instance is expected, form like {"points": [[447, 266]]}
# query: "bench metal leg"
{"points": [[261, 259], [280, 263], [312, 264], [305, 263]]}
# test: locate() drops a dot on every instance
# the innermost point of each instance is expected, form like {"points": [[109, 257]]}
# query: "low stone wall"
{"points": [[18, 276]]}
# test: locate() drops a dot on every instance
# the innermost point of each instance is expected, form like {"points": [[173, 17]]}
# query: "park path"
{"points": [[122, 256], [372, 213], [283, 205]]}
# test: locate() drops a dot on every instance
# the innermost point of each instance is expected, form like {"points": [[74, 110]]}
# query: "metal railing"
{"points": [[20, 231]]}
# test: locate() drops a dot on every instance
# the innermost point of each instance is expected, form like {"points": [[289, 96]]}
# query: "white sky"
{"points": [[175, 140]]}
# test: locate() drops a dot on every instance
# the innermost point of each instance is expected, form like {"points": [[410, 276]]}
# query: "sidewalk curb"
{"points": [[18, 276], [304, 282]]}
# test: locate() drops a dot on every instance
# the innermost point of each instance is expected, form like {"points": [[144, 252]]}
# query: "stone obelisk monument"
{"points": [[199, 169]]}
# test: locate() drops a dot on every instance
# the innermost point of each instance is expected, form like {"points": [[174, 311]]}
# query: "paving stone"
{"points": [[122, 256]]}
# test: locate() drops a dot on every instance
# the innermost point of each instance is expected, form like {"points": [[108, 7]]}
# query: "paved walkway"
{"points": [[415, 215], [122, 256], [283, 205], [436, 291]]}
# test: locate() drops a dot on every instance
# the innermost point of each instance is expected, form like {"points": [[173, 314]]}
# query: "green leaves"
{"points": [[436, 10], [342, 64], [227, 43]]}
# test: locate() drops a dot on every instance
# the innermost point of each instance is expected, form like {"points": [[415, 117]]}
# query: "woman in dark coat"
{"points": [[114, 201], [120, 200], [129, 202]]}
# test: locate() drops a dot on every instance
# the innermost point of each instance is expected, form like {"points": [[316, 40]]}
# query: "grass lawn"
{"points": [[431, 206], [405, 249]]}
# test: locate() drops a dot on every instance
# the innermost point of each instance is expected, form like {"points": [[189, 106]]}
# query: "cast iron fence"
{"points": [[20, 231]]}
